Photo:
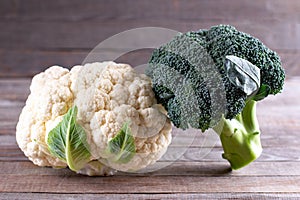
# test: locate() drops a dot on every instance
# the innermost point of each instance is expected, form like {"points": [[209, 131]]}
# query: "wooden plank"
{"points": [[225, 196], [92, 10], [28, 63], [11, 152], [69, 35], [204, 168], [18, 63], [147, 184], [278, 154]]}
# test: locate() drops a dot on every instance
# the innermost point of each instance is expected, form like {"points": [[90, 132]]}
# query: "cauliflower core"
{"points": [[107, 95]]}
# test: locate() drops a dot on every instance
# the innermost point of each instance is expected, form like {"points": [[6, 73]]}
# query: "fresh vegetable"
{"points": [[95, 119], [213, 79], [67, 141], [122, 146]]}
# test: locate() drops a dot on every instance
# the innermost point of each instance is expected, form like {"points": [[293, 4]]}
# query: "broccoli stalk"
{"points": [[240, 137]]}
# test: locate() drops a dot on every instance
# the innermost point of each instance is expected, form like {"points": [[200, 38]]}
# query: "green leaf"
{"points": [[122, 147], [243, 74], [263, 92], [67, 141]]}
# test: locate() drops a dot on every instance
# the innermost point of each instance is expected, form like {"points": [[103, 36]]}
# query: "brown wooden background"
{"points": [[36, 34]]}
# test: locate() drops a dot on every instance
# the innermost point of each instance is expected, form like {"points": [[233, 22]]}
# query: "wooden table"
{"points": [[36, 35], [275, 174]]}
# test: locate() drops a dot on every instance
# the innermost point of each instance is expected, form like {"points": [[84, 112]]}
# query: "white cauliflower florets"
{"points": [[107, 95], [50, 97]]}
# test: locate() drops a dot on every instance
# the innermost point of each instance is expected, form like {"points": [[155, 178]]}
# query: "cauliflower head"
{"points": [[107, 96]]}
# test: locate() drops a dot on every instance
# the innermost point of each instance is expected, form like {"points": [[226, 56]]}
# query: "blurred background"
{"points": [[37, 34]]}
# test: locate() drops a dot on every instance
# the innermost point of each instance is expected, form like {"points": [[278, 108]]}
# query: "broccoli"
{"points": [[193, 82]]}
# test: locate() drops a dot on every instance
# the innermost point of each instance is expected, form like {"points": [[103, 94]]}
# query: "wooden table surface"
{"points": [[275, 174], [35, 35]]}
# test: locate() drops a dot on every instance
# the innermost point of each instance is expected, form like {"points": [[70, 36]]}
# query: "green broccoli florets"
{"points": [[225, 40], [188, 84], [190, 80]]}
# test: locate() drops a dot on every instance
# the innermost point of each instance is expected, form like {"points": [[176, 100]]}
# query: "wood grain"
{"points": [[40, 35], [91, 10], [147, 184], [20, 63], [194, 153], [53, 34], [28, 63], [225, 196], [200, 168]]}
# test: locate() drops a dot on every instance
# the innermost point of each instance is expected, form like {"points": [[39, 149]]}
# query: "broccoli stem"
{"points": [[240, 137]]}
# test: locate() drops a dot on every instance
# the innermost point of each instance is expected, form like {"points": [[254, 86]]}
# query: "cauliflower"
{"points": [[50, 98], [107, 95]]}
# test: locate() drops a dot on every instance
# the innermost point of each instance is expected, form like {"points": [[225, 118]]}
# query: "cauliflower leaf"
{"points": [[67, 141], [122, 147]]}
